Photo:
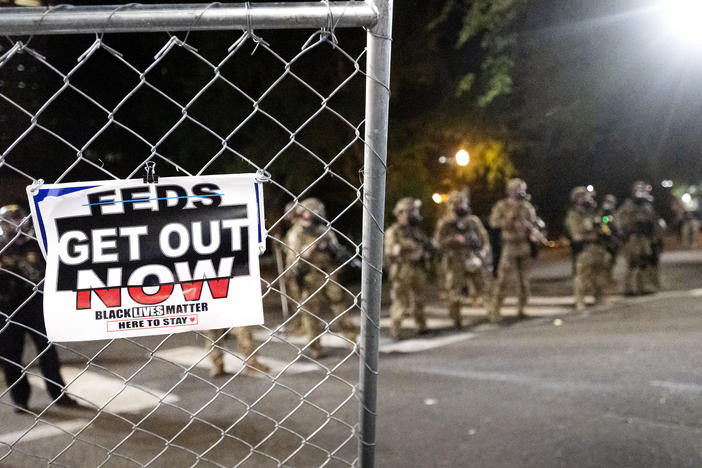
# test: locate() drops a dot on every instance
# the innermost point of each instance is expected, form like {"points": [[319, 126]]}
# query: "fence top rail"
{"points": [[69, 19]]}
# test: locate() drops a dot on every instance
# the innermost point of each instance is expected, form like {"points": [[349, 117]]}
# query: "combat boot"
{"points": [[253, 365], [455, 313], [395, 334], [520, 309], [218, 369]]}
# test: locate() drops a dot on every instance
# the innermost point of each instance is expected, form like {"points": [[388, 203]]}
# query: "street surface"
{"points": [[619, 385]]}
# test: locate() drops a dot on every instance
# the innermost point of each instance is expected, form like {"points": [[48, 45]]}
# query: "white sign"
{"points": [[127, 258]]}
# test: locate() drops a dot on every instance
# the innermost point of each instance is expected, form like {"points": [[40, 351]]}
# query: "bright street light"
{"points": [[437, 198], [462, 158], [683, 18]]}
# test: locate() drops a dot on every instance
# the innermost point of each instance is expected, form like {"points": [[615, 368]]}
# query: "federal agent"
{"points": [[314, 252], [516, 219], [584, 225], [21, 311], [407, 248], [465, 247], [641, 231]]}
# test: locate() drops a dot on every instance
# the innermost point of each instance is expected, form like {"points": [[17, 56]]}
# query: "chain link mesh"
{"points": [[101, 106]]}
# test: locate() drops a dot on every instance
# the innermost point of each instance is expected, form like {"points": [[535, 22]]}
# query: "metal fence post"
{"points": [[376, 137]]}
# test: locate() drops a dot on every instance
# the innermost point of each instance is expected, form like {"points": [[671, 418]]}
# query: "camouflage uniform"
{"points": [[294, 324], [18, 317], [516, 218], [464, 245], [245, 346], [583, 223], [316, 246], [612, 238], [638, 224], [689, 231], [405, 253]]}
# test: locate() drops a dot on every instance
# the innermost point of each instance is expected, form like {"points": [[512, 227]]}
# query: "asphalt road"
{"points": [[616, 386]]}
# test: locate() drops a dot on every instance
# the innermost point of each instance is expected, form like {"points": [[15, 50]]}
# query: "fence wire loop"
{"points": [[112, 13], [198, 18], [150, 177], [250, 31], [263, 176]]}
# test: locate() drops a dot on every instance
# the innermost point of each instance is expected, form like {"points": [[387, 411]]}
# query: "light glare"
{"points": [[437, 198], [462, 158], [683, 18]]}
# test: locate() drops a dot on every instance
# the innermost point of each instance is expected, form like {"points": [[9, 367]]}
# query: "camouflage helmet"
{"points": [[12, 213], [609, 199], [640, 187], [314, 205], [10, 218], [406, 204], [577, 193], [516, 185], [456, 197]]}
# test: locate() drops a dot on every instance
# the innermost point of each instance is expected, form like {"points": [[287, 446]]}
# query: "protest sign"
{"points": [[128, 258]]}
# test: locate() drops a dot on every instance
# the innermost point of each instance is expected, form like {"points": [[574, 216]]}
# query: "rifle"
{"points": [[535, 233], [338, 252]]}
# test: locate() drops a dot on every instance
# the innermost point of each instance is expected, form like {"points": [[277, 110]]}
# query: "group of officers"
{"points": [[461, 244], [467, 260]]}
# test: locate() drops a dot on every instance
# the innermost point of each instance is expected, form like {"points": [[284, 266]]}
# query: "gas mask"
{"points": [[462, 210], [415, 219]]}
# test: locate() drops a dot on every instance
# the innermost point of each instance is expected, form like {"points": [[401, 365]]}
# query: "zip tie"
{"points": [[36, 185], [150, 177]]}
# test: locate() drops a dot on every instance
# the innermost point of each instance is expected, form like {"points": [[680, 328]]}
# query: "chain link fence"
{"points": [[296, 91]]}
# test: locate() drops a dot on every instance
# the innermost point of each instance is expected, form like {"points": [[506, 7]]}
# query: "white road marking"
{"points": [[189, 355], [415, 345], [677, 386], [89, 388], [43, 430], [329, 340], [507, 310], [100, 389]]}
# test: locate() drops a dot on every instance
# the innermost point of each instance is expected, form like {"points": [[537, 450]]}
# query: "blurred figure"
{"points": [[516, 219], [689, 231], [465, 247], [609, 233], [641, 231], [244, 343], [20, 314], [407, 248], [314, 252], [677, 216], [294, 323], [583, 223]]}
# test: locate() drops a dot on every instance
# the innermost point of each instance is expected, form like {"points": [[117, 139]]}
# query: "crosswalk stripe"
{"points": [[437, 319], [328, 340], [89, 388], [189, 355], [100, 389], [415, 345], [43, 430]]}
